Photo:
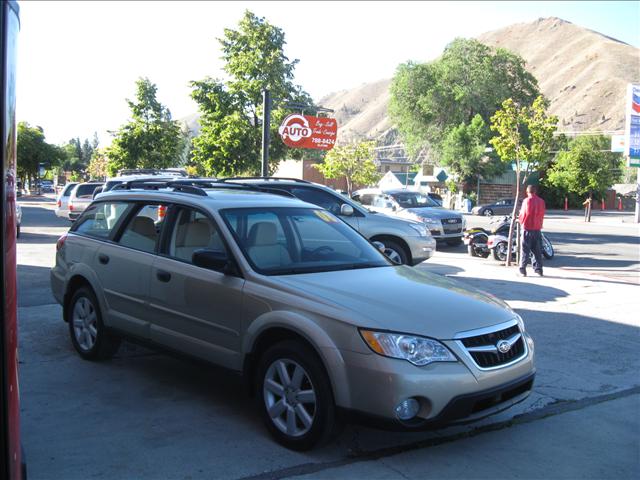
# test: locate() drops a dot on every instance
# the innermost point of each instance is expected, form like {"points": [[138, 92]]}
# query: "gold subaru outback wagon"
{"points": [[321, 323]]}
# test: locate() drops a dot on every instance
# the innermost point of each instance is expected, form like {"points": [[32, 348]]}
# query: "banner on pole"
{"points": [[306, 131]]}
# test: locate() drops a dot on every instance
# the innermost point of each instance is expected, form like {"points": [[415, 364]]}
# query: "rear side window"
{"points": [[99, 219], [318, 197], [67, 190], [143, 230], [86, 190]]}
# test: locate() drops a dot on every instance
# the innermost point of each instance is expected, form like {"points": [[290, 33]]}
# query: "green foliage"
{"points": [[98, 166], [354, 161], [524, 133], [427, 100], [151, 139], [230, 138], [586, 167], [464, 151], [33, 151], [77, 154]]}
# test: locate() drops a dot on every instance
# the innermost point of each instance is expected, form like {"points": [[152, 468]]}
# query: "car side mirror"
{"points": [[379, 245], [346, 210], [211, 260]]}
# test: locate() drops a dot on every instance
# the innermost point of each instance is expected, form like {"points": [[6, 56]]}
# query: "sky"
{"points": [[78, 61]]}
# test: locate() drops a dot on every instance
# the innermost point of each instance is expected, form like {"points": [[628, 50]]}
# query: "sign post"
{"points": [[632, 137]]}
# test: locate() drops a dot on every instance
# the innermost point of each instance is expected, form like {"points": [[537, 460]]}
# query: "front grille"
{"points": [[483, 348], [452, 230], [451, 221]]}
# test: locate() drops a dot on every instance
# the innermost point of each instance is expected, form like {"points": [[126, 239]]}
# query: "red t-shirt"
{"points": [[532, 213]]}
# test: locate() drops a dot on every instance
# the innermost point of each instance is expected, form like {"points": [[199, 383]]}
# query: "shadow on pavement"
{"points": [[514, 289], [33, 286], [33, 216], [33, 238]]}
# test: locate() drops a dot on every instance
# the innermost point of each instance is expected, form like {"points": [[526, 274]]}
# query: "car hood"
{"points": [[403, 299], [433, 212]]}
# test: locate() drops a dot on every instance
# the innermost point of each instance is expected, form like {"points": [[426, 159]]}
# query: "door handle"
{"points": [[163, 276], [103, 259]]}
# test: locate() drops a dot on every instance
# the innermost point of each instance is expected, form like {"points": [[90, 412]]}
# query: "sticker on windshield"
{"points": [[325, 216]]}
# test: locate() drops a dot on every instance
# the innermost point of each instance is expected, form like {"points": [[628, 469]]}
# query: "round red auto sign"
{"points": [[306, 131]]}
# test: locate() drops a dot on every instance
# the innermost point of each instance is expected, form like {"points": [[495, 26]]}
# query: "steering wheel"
{"points": [[318, 251]]}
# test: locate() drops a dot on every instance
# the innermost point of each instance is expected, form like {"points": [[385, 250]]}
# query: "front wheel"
{"points": [[488, 212], [395, 252], [89, 336], [547, 248], [294, 396]]}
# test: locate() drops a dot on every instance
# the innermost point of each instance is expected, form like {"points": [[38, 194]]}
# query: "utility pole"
{"points": [[266, 124]]}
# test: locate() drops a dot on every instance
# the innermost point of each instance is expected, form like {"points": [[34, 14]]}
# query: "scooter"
{"points": [[476, 238], [497, 244]]}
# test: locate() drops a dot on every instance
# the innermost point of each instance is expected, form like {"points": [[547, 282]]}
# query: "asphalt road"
{"points": [[146, 415]]}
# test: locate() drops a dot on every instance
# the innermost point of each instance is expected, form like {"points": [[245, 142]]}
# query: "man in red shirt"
{"points": [[530, 218]]}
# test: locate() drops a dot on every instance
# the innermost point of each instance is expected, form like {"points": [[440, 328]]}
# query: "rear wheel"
{"points": [[89, 336], [294, 396], [500, 252]]}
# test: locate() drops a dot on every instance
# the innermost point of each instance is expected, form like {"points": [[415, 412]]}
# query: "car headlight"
{"points": [[430, 221], [520, 322], [417, 350], [421, 229]]}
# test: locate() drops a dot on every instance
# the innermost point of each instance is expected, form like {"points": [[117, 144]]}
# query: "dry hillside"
{"points": [[583, 73]]}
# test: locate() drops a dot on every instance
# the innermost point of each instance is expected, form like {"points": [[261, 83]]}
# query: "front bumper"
{"points": [[448, 392], [421, 248]]}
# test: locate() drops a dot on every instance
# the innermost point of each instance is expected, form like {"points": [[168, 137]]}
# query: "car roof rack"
{"points": [[195, 187], [288, 179], [151, 171]]}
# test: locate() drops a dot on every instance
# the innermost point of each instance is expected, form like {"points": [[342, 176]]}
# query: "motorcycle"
{"points": [[476, 238], [497, 244]]}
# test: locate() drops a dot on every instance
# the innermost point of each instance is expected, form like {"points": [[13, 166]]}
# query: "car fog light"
{"points": [[407, 409]]}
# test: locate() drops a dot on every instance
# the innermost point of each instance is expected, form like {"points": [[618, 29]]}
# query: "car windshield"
{"points": [[285, 241], [413, 200]]}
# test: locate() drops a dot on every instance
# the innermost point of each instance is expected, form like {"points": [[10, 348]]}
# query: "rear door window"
{"points": [[143, 230]]}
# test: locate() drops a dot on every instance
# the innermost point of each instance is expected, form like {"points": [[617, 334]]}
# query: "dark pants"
{"points": [[531, 243]]}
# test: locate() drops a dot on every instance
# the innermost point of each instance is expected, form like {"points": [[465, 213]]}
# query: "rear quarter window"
{"points": [[86, 191], [99, 219]]}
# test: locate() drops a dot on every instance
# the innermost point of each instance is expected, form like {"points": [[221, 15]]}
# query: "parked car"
{"points": [[18, 219], [405, 241], [46, 186], [80, 197], [320, 323], [504, 206], [62, 202], [443, 224]]}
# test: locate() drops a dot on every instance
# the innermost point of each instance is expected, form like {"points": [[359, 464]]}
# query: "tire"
{"points": [[297, 425], [547, 248], [488, 212], [454, 242], [471, 250], [395, 252], [484, 254], [83, 312], [500, 252]]}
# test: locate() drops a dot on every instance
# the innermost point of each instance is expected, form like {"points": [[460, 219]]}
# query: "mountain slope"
{"points": [[583, 73]]}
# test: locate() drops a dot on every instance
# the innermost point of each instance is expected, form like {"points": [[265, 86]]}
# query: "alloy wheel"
{"points": [[289, 397], [85, 323], [393, 255]]}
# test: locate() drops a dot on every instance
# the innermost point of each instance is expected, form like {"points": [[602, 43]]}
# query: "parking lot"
{"points": [[145, 414]]}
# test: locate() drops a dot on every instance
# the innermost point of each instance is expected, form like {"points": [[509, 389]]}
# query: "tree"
{"points": [[428, 100], [353, 161], [33, 151], [588, 167], [230, 138], [151, 139], [524, 138], [98, 166], [464, 151]]}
